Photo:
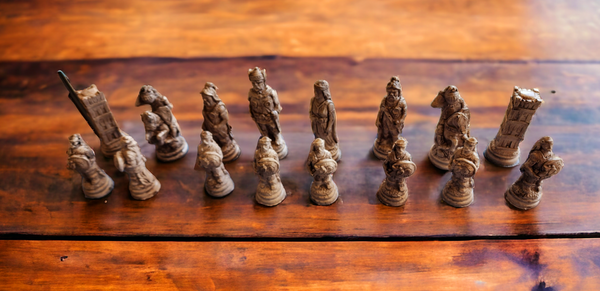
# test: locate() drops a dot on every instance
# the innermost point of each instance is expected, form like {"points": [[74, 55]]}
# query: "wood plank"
{"points": [[38, 195], [431, 29]]}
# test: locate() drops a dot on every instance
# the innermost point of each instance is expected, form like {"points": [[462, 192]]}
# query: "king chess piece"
{"points": [[270, 191], [398, 166], [142, 184], [322, 166], [218, 183], [323, 119], [458, 192], [390, 119], [94, 181], [216, 120]]}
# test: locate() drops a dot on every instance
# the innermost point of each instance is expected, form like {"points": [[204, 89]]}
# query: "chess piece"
{"points": [[390, 119], [269, 191], [216, 120], [452, 128], [94, 181], [541, 164], [93, 106], [504, 150], [142, 184], [398, 166], [320, 164], [218, 183], [323, 118], [464, 163], [265, 109], [161, 126]]}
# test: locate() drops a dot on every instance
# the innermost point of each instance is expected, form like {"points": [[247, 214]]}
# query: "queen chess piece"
{"points": [[94, 181], [218, 183], [458, 192], [322, 166], [142, 184], [216, 121], [390, 119], [398, 166], [270, 191]]}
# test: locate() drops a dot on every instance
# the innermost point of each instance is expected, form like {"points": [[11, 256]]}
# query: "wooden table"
{"points": [[51, 237]]}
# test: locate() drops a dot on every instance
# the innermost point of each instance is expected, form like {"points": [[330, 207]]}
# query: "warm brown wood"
{"points": [[429, 29], [40, 196]]}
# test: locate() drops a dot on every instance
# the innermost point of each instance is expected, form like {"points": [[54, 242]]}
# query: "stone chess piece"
{"points": [[218, 183], [161, 126], [453, 127], [398, 166], [323, 119], [541, 164], [94, 181], [322, 166], [458, 192], [270, 191], [265, 110], [390, 119], [142, 184], [216, 120]]}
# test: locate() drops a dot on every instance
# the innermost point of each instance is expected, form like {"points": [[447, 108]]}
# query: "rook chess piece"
{"points": [[269, 191], [458, 192], [216, 120], [398, 166], [320, 164], [218, 183], [94, 181], [323, 118], [142, 184], [390, 119]]}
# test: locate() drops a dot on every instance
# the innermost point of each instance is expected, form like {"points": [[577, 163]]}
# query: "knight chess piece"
{"points": [[265, 110], [323, 119], [270, 191], [541, 164], [216, 120], [504, 150], [142, 184], [322, 166], [218, 183], [398, 166], [458, 192], [390, 119], [94, 181], [161, 126], [453, 127]]}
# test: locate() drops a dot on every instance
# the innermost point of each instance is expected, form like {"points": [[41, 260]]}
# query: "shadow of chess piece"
{"points": [[398, 166], [216, 120], [458, 192], [218, 183], [390, 119], [321, 166], [142, 184], [94, 181], [270, 191]]}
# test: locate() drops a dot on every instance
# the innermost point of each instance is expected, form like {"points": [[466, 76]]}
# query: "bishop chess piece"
{"points": [[322, 166], [218, 183], [464, 163], [142, 184], [323, 119], [397, 166], [216, 120], [270, 191], [390, 119], [94, 181]]}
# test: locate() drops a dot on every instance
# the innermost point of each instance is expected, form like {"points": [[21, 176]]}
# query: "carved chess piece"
{"points": [[390, 119], [265, 109], [218, 183], [142, 184], [504, 150], [398, 166], [216, 120], [161, 126], [94, 181], [323, 118], [541, 164], [270, 191], [320, 164], [458, 192], [452, 128]]}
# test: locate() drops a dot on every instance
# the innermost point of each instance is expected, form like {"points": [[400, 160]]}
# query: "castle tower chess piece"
{"points": [[323, 118], [216, 120], [458, 192], [218, 183], [161, 126], [321, 165], [142, 184], [453, 127], [265, 109], [398, 166], [504, 150], [390, 119], [541, 164], [270, 191], [94, 181]]}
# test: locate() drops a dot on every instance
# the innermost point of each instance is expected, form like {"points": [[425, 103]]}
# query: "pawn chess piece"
{"points": [[218, 183], [452, 128], [320, 164], [216, 120], [265, 109], [161, 126], [94, 181], [541, 164], [390, 119], [458, 192], [398, 166], [142, 184], [270, 191], [323, 119]]}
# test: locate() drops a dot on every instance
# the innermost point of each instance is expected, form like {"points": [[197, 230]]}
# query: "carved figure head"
{"points": [[206, 137], [76, 141], [393, 87], [544, 145], [318, 145], [264, 143], [470, 144], [147, 95], [400, 145], [322, 89], [258, 78], [209, 94]]}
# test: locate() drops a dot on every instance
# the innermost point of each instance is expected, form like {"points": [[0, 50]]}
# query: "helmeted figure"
{"points": [[397, 166], [322, 166], [161, 126], [218, 183], [265, 109], [142, 184], [269, 191], [464, 163], [323, 118], [453, 127], [94, 181], [390, 119], [541, 164], [216, 120]]}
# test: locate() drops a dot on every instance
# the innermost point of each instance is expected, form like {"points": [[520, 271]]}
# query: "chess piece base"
{"points": [[439, 163], [99, 190], [380, 152], [222, 189], [461, 198], [270, 197], [323, 193], [522, 203], [498, 160], [173, 155], [336, 153], [281, 150], [390, 195], [145, 193], [231, 152]]}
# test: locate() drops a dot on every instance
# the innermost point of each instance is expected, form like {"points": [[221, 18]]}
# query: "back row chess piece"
{"points": [[390, 119], [323, 119], [216, 121]]}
